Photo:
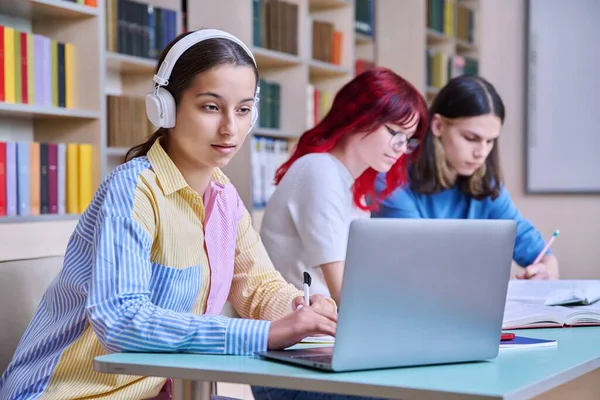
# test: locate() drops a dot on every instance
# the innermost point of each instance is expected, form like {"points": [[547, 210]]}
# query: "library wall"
{"points": [[577, 216]]}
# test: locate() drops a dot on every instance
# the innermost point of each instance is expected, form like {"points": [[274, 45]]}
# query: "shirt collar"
{"points": [[170, 178]]}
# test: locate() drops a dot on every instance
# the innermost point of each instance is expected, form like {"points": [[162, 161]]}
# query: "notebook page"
{"points": [[325, 339], [524, 313], [587, 314], [558, 291]]}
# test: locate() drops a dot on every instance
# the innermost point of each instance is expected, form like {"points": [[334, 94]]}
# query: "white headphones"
{"points": [[160, 104]]}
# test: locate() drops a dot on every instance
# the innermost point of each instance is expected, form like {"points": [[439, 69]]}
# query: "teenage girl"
{"points": [[165, 242], [457, 174], [375, 119]]}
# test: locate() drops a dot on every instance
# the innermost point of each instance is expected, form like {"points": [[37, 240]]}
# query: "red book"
{"points": [[2, 92], [2, 179], [52, 178], [24, 74]]}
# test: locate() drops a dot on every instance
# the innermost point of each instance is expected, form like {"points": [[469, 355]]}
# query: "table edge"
{"points": [[288, 382]]}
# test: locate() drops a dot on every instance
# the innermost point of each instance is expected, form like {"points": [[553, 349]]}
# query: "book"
{"points": [[555, 292], [520, 314], [325, 339], [523, 342]]}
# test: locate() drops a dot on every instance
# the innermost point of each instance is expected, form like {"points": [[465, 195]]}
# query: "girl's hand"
{"points": [[301, 323]]}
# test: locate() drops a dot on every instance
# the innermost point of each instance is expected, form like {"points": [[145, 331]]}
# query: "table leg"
{"points": [[191, 390]]}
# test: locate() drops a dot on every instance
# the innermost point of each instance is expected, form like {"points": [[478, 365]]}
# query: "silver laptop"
{"points": [[417, 292]]}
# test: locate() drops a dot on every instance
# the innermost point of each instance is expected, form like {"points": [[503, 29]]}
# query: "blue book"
{"points": [[521, 342]]}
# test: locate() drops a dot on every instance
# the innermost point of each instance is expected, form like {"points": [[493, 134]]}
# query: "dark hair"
{"points": [[199, 58], [462, 97], [371, 99]]}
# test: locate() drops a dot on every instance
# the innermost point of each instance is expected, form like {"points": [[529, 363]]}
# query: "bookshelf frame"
{"points": [[400, 40]]}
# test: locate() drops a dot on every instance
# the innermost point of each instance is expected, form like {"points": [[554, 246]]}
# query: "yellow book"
{"points": [[72, 178], [34, 178], [9, 65], [449, 17], [85, 176], [69, 75], [54, 69], [17, 83], [30, 71]]}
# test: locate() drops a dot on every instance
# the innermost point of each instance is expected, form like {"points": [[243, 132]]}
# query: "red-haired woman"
{"points": [[374, 120]]}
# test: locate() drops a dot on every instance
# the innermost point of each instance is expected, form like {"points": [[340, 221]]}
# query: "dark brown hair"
{"points": [[462, 97], [199, 58]]}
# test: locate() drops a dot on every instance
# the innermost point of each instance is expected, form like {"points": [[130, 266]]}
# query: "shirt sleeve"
{"points": [[258, 290], [119, 307], [401, 203], [321, 211], [529, 241]]}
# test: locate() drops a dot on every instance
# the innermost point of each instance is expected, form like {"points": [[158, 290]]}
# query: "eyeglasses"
{"points": [[399, 139]]}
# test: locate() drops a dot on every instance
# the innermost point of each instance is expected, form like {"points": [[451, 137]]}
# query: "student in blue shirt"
{"points": [[457, 171]]}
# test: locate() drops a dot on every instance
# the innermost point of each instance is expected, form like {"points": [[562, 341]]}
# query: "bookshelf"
{"points": [[300, 76], [452, 41], [92, 72], [50, 110]]}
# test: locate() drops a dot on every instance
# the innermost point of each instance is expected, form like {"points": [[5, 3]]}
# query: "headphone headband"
{"points": [[160, 104], [181, 46]]}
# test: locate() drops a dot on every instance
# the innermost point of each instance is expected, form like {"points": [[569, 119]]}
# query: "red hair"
{"points": [[373, 98]]}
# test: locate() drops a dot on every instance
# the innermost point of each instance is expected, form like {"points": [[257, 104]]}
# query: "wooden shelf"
{"points": [[319, 69], [361, 39], [472, 4], [124, 63], [32, 111], [41, 9], [117, 151], [432, 91], [321, 5], [464, 46], [436, 38], [275, 133], [267, 58], [39, 218]]}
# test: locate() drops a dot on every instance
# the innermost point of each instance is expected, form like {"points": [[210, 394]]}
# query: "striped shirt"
{"points": [[148, 268]]}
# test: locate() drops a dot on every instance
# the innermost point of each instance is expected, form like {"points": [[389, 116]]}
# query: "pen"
{"points": [[307, 282], [545, 249]]}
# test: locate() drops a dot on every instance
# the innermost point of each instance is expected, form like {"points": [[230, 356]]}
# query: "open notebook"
{"points": [[528, 304], [555, 293]]}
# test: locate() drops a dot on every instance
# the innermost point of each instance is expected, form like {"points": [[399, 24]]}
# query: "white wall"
{"points": [[578, 218]]}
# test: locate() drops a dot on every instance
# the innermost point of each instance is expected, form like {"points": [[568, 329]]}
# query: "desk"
{"points": [[515, 374]]}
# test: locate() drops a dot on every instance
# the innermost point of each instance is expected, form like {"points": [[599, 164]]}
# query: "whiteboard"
{"points": [[563, 96]]}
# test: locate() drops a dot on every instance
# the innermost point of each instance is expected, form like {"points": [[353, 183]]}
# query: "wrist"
{"points": [[246, 336]]}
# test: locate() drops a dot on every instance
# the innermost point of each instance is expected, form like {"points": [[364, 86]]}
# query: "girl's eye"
{"points": [[470, 138], [210, 107], [245, 110]]}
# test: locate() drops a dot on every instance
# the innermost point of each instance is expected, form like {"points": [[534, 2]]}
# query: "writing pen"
{"points": [[306, 284], [545, 249]]}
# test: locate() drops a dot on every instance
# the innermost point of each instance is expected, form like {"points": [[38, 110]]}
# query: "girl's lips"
{"points": [[223, 149]]}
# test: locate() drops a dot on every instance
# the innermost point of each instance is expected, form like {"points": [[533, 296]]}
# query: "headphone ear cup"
{"points": [[168, 108], [153, 109], [160, 108]]}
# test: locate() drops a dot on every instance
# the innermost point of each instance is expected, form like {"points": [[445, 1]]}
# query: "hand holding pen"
{"points": [[318, 318], [542, 268]]}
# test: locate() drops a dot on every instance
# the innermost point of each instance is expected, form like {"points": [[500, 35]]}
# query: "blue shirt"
{"points": [[453, 203]]}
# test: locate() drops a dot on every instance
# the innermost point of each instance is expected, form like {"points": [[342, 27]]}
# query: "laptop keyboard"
{"points": [[319, 358]]}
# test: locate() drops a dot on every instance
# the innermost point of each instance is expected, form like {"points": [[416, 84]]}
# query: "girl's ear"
{"points": [[436, 125]]}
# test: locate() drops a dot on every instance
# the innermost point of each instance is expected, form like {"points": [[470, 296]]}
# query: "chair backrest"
{"points": [[22, 284]]}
